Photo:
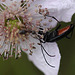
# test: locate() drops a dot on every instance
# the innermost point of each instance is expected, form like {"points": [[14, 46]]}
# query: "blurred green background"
{"points": [[22, 66]]}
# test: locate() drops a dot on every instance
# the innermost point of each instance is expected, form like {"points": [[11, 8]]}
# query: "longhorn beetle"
{"points": [[58, 34], [52, 36]]}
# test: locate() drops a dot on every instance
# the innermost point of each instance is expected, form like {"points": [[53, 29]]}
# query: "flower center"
{"points": [[12, 23]]}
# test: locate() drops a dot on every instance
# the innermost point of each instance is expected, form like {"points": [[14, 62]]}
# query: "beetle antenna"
{"points": [[47, 52], [45, 58], [51, 17], [43, 47]]}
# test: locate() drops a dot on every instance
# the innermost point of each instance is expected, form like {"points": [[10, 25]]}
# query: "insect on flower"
{"points": [[23, 28], [58, 34], [16, 25], [55, 35]]}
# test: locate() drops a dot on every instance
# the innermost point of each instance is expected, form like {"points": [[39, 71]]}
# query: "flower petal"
{"points": [[62, 10], [38, 59], [65, 8]]}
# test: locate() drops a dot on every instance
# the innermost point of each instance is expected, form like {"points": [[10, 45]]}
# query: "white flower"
{"points": [[23, 16]]}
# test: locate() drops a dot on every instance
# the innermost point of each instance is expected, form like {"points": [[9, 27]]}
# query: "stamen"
{"points": [[19, 20], [16, 51], [11, 50], [1, 9], [24, 4], [17, 24]]}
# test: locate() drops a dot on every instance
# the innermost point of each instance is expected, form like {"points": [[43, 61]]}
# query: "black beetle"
{"points": [[58, 34], [54, 36]]}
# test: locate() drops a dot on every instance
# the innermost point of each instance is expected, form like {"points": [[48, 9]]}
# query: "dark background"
{"points": [[23, 66]]}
